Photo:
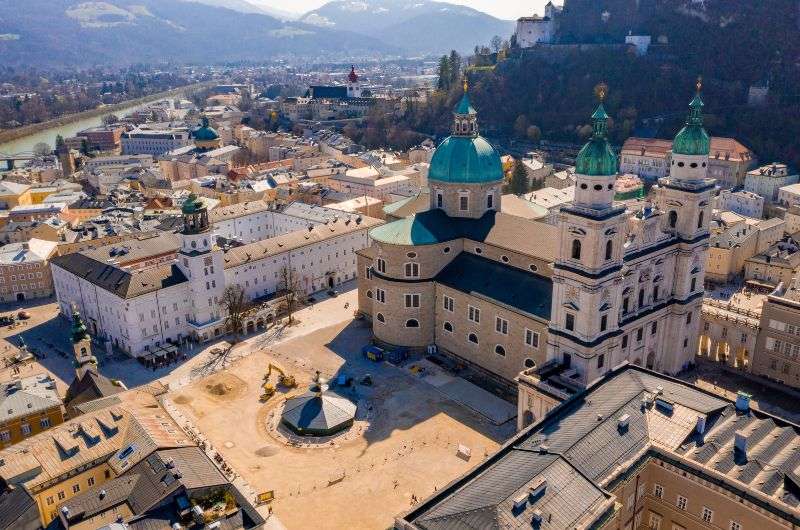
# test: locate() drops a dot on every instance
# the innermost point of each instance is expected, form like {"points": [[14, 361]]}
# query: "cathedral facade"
{"points": [[564, 304]]}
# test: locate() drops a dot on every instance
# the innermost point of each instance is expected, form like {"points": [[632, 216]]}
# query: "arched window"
{"points": [[380, 318], [473, 338], [673, 218], [529, 363], [439, 199], [576, 249], [700, 220], [412, 323], [490, 201], [499, 350], [369, 294], [448, 327], [609, 249]]}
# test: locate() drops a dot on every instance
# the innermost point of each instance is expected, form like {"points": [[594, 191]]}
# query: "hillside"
{"points": [[127, 31], [419, 27]]}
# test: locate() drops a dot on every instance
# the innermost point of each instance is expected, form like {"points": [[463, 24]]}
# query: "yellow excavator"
{"points": [[287, 381]]}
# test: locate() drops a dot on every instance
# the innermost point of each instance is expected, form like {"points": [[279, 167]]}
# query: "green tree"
{"points": [[518, 184], [59, 143], [455, 69], [444, 74]]}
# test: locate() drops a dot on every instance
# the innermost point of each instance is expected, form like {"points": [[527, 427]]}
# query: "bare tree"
{"points": [[234, 303], [291, 291], [496, 43], [110, 119], [42, 149]]}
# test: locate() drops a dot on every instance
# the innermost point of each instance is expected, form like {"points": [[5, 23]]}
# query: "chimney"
{"points": [[743, 401], [623, 422], [740, 443], [102, 494], [700, 427]]}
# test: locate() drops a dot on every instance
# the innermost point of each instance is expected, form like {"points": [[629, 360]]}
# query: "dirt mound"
{"points": [[225, 386], [220, 389], [269, 450], [182, 400]]}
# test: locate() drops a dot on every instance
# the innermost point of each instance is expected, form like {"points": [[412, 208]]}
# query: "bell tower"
{"points": [[203, 266], [584, 326], [81, 346], [685, 198]]}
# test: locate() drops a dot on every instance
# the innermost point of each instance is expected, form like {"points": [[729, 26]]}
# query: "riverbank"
{"points": [[11, 135]]}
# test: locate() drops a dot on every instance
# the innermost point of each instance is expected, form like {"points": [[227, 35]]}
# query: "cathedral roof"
{"points": [[465, 160]]}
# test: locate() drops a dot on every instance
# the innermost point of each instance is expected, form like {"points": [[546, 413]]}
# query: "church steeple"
{"points": [[81, 346], [693, 140], [596, 164]]}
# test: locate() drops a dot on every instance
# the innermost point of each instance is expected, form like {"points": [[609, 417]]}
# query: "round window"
{"points": [[534, 268], [584, 186], [598, 187], [412, 255], [693, 165], [681, 164], [194, 244], [478, 250], [446, 250], [529, 363], [504, 258], [611, 186]]}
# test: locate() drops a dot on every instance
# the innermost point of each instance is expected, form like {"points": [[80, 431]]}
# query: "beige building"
{"points": [[28, 406], [778, 348], [731, 249], [25, 270], [775, 265], [481, 286], [650, 158], [635, 450], [89, 451]]}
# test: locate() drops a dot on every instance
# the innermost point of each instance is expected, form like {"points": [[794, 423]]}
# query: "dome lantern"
{"points": [[465, 157]]}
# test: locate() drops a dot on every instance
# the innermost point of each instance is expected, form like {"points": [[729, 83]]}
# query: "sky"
{"points": [[506, 9]]}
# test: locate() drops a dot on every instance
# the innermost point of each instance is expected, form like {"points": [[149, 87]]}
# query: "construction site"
{"points": [[318, 427]]}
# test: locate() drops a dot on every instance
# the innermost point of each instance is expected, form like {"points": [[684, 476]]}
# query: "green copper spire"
{"points": [[78, 332], [693, 139], [597, 158], [464, 106], [192, 204]]}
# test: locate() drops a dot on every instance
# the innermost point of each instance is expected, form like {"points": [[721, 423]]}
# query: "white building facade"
{"points": [[742, 202], [138, 308]]}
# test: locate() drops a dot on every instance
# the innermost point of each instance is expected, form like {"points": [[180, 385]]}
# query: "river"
{"points": [[48, 136]]}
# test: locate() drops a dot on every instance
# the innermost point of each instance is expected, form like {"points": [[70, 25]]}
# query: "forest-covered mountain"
{"points": [[422, 26], [70, 32]]}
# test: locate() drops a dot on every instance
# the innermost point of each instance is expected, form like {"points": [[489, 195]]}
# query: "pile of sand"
{"points": [[220, 389], [182, 400]]}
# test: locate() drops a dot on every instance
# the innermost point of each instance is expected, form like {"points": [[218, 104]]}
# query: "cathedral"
{"points": [[539, 308]]}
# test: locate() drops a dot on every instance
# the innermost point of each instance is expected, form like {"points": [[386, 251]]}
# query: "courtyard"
{"points": [[408, 439]]}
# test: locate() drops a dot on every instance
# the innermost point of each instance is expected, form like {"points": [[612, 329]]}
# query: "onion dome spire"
{"points": [[78, 332], [597, 157], [353, 77], [693, 139]]}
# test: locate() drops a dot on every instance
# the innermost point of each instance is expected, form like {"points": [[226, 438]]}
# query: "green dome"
{"points": [[465, 160], [192, 204], [693, 138], [596, 157], [205, 132]]}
